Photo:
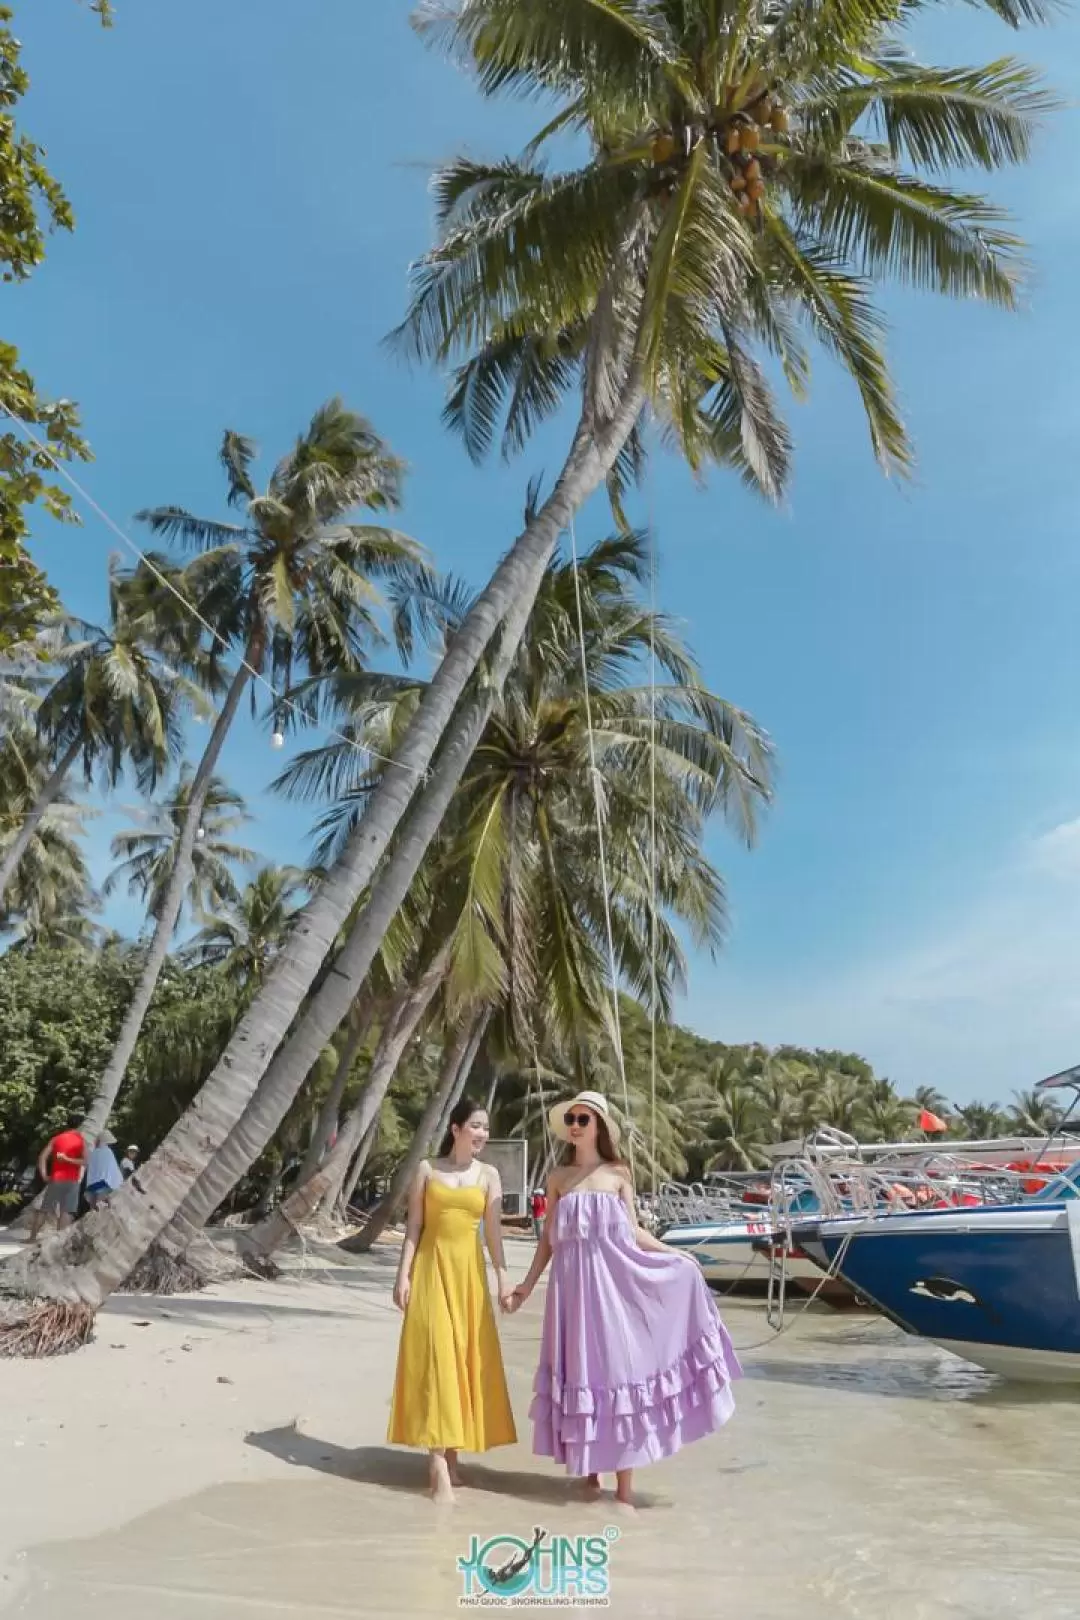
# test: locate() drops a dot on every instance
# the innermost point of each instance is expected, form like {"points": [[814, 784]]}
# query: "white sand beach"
{"points": [[222, 1456]]}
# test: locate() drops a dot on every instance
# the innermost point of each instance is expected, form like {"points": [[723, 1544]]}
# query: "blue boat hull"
{"points": [[996, 1286]]}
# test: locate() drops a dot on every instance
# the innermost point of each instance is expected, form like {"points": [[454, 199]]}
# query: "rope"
{"points": [[281, 703], [602, 848], [828, 1276], [652, 836]]}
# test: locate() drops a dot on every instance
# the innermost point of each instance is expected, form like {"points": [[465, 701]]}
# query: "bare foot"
{"points": [[625, 1503], [591, 1490], [453, 1470], [442, 1486], [624, 1492]]}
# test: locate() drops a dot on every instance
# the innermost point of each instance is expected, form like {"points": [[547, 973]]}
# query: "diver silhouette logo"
{"points": [[505, 1571]]}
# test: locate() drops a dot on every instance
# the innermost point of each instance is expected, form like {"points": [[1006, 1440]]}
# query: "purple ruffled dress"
{"points": [[635, 1361]]}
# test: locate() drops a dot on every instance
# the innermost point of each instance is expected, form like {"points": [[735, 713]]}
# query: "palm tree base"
{"points": [[41, 1328], [160, 1272], [169, 1269]]}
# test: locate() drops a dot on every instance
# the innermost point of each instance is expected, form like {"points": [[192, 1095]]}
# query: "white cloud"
{"points": [[1057, 852], [987, 1004]]}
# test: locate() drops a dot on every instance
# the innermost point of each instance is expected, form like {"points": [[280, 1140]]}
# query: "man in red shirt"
{"points": [[539, 1211], [61, 1165]]}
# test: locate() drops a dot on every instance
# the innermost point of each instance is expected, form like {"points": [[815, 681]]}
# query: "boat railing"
{"points": [[708, 1203]]}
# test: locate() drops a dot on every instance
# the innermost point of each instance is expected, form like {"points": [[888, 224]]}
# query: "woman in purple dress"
{"points": [[635, 1361]]}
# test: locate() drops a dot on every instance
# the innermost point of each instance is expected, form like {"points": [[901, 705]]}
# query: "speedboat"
{"points": [[727, 1226], [997, 1284]]}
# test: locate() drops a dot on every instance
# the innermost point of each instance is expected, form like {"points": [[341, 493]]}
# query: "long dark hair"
{"points": [[604, 1145], [461, 1115]]}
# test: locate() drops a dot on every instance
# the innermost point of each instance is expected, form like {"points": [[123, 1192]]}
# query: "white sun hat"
{"points": [[584, 1099]]}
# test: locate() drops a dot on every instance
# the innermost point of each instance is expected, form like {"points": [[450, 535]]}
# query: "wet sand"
{"points": [[228, 1462]]}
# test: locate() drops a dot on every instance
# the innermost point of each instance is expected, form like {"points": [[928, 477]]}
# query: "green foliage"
{"points": [[115, 703], [59, 1014], [50, 895], [749, 174], [32, 203], [191, 1018], [60, 1010], [248, 930], [717, 1106]]}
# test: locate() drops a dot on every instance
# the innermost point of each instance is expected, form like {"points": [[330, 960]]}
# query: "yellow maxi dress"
{"points": [[450, 1390]]}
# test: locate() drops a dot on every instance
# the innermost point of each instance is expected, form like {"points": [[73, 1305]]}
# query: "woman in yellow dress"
{"points": [[450, 1392]]}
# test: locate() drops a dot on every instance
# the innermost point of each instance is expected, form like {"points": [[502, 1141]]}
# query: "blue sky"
{"points": [[250, 184]]}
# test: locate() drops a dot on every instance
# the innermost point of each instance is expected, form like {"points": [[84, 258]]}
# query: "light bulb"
{"points": [[278, 739]]}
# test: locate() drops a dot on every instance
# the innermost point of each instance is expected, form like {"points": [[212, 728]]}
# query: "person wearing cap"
{"points": [[130, 1160], [103, 1174], [634, 1362]]}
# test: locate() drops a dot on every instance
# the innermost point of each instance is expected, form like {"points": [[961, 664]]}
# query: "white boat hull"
{"points": [[727, 1256], [1019, 1365]]}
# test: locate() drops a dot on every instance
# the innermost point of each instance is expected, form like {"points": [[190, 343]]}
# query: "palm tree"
{"points": [[112, 703], [710, 757], [1034, 1113], [289, 588], [50, 892], [50, 897], [738, 1128], [520, 871], [250, 929], [639, 279], [147, 855], [978, 1122], [886, 1117]]}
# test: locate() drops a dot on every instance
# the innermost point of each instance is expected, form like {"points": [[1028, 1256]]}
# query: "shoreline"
{"points": [[222, 1456]]}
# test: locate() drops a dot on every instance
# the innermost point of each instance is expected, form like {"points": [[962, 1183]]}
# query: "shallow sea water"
{"points": [[865, 1474]]}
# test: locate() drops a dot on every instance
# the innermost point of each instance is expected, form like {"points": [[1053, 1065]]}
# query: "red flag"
{"points": [[930, 1123]]}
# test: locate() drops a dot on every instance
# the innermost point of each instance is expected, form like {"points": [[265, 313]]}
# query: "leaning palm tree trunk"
{"points": [[356, 1169], [251, 1135], [271, 1188], [334, 1204], [331, 1002], [169, 915], [458, 1060], [402, 1023], [115, 1237], [21, 842], [331, 1108]]}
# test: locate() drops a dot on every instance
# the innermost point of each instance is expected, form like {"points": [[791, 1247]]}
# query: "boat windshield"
{"points": [[1065, 1185]]}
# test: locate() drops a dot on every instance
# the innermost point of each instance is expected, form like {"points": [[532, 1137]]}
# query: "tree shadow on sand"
{"points": [[408, 1470]]}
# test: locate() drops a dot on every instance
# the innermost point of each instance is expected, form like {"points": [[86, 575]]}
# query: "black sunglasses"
{"points": [[576, 1119]]}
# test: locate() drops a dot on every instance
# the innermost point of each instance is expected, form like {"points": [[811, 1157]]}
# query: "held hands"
{"points": [[506, 1293], [515, 1299], [402, 1290]]}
